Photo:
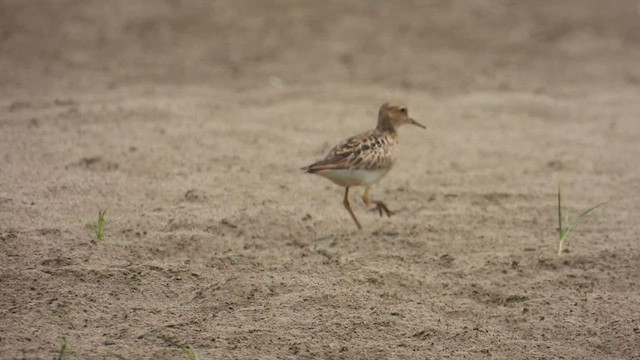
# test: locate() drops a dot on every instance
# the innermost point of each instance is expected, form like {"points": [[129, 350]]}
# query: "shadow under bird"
{"points": [[364, 159]]}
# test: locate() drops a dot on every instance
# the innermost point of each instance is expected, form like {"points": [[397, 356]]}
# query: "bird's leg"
{"points": [[380, 206], [348, 207]]}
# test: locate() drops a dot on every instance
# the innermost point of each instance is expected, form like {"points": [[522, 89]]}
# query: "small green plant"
{"points": [[565, 225], [64, 351], [191, 354], [99, 226], [187, 349]]}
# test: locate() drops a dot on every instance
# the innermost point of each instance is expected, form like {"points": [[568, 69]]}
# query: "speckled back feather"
{"points": [[371, 150]]}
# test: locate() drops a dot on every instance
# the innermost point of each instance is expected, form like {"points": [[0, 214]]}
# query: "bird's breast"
{"points": [[354, 177]]}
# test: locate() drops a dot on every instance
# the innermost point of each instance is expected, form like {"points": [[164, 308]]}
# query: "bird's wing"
{"points": [[370, 150]]}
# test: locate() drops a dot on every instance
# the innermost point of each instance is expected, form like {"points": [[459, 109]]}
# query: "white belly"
{"points": [[354, 177]]}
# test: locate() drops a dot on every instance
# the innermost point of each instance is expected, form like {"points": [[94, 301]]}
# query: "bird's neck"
{"points": [[384, 125]]}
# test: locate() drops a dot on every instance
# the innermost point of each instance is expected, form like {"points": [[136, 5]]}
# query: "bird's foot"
{"points": [[380, 207]]}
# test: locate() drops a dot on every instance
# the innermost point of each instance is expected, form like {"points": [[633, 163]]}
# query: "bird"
{"points": [[364, 159]]}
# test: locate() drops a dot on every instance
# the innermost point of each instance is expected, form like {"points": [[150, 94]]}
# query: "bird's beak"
{"points": [[413, 122]]}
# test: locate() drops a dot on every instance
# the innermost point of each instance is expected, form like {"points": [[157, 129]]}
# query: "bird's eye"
{"points": [[403, 110]]}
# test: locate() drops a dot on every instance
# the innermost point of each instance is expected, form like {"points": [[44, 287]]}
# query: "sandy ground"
{"points": [[189, 121]]}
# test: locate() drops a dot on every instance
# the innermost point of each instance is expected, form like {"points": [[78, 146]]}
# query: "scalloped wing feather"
{"points": [[372, 150]]}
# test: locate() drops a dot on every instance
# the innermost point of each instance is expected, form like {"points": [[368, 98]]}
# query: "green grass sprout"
{"points": [[187, 349], [566, 225], [99, 226], [64, 351]]}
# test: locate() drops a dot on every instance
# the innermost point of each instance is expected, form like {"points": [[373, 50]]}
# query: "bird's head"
{"points": [[392, 115]]}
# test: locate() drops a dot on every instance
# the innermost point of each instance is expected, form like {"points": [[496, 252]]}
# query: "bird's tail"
{"points": [[326, 164], [307, 169]]}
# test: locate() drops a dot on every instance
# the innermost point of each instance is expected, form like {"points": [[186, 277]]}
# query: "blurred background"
{"points": [[437, 46]]}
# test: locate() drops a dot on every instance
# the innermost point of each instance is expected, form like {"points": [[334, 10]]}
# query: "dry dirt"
{"points": [[189, 121]]}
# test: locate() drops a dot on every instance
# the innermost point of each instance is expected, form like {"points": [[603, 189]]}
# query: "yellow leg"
{"points": [[348, 207], [380, 206]]}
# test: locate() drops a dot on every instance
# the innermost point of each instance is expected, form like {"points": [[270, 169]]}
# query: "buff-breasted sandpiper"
{"points": [[364, 159]]}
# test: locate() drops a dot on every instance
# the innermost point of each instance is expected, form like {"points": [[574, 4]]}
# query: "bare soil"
{"points": [[189, 121]]}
